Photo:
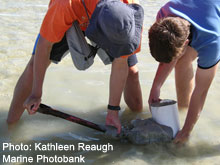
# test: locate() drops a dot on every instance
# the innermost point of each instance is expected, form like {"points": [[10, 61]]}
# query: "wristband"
{"points": [[114, 108]]}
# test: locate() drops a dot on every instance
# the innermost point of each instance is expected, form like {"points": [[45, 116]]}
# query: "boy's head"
{"points": [[167, 38], [116, 27]]}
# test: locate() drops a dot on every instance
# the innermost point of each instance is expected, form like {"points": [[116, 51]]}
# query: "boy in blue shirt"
{"points": [[183, 31]]}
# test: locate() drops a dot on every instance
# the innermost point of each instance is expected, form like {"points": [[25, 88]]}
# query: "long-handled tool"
{"points": [[149, 131], [44, 109]]}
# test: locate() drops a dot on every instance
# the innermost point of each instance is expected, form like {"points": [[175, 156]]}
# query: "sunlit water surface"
{"points": [[85, 94]]}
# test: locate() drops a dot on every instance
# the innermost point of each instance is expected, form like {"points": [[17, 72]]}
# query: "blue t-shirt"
{"points": [[204, 16]]}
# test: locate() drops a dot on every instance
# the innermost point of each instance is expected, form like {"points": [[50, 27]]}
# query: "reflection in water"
{"points": [[73, 92]]}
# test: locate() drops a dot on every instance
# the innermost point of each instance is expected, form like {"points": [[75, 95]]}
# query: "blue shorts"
{"points": [[59, 51]]}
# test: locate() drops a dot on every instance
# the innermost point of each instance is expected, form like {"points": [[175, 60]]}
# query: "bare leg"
{"points": [[132, 91], [21, 92], [184, 77]]}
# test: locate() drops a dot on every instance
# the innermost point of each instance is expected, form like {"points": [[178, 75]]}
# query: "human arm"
{"points": [[204, 79], [57, 21], [41, 62], [162, 73], [119, 73]]}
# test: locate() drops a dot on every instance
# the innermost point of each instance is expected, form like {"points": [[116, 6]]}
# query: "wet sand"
{"points": [[85, 94]]}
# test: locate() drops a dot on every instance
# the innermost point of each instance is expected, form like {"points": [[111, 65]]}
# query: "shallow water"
{"points": [[85, 94]]}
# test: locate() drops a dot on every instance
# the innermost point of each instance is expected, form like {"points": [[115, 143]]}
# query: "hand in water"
{"points": [[181, 137], [31, 104], [113, 120]]}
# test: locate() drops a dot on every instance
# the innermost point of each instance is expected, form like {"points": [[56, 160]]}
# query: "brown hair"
{"points": [[167, 37]]}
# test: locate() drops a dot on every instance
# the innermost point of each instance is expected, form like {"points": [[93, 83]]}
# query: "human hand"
{"points": [[154, 96], [31, 104], [181, 137], [112, 119]]}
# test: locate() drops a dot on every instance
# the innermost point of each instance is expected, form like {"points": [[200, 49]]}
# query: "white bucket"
{"points": [[165, 112]]}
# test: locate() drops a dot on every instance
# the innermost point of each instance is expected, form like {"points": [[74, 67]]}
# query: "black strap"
{"points": [[85, 9], [94, 49], [93, 52], [114, 108]]}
